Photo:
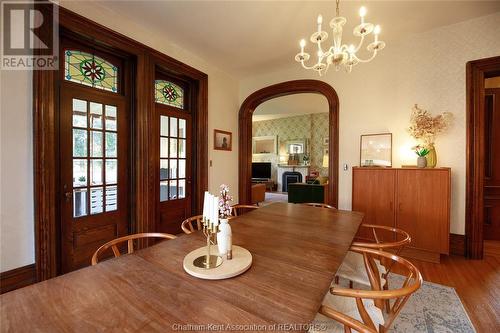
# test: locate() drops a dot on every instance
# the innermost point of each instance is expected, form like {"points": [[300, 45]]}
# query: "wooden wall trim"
{"points": [[475, 73], [17, 278], [143, 169], [284, 89], [457, 244]]}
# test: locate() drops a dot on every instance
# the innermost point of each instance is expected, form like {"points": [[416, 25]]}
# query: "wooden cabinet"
{"points": [[415, 200]]}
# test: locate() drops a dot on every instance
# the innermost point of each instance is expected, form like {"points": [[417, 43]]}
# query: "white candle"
{"points": [[205, 206], [216, 212]]}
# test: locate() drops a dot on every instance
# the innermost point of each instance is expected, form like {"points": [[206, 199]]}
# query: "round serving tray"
{"points": [[242, 260]]}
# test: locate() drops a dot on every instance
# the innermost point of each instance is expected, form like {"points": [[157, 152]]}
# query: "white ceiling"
{"points": [[290, 105], [247, 37]]}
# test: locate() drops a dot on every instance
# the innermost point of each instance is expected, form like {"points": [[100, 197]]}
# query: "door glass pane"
{"points": [[96, 200], [79, 113], [182, 169], [95, 115], [111, 198], [173, 126], [79, 202], [95, 172], [163, 125], [163, 147], [182, 128], [111, 171], [95, 144], [163, 169], [111, 144], [172, 190], [182, 189], [79, 173], [182, 148], [79, 143], [164, 190], [173, 147], [110, 117], [173, 169]]}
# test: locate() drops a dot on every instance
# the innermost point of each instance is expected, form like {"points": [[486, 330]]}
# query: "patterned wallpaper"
{"points": [[313, 127]]}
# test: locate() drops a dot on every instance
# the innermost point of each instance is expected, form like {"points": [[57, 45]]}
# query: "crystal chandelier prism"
{"points": [[340, 55]]}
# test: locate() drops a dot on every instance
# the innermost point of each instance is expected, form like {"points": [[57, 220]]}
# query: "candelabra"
{"points": [[340, 54], [208, 260]]}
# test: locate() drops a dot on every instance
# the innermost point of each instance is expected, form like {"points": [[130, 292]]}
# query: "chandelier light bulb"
{"points": [[320, 19], [362, 11], [376, 31], [302, 43]]}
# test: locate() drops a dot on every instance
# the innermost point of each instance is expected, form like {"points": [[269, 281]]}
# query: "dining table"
{"points": [[296, 251]]}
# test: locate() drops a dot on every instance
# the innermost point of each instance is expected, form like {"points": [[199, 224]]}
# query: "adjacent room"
{"points": [[250, 166]]}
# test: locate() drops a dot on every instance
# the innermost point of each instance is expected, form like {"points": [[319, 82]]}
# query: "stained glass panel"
{"points": [[169, 93], [90, 70]]}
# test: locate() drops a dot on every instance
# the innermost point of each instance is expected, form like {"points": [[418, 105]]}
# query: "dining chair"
{"points": [[320, 205], [187, 224], [239, 209], [361, 310], [130, 243], [353, 267]]}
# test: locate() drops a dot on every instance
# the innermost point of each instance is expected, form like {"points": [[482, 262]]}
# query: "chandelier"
{"points": [[340, 55]]}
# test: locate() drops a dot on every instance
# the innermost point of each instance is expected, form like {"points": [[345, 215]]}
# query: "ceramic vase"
{"points": [[224, 237], [431, 157], [421, 162]]}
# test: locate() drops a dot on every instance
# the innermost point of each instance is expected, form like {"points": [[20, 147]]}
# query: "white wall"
{"points": [[16, 170], [16, 182], [428, 69]]}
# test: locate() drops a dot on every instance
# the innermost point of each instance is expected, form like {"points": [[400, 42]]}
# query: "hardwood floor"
{"points": [[477, 283]]}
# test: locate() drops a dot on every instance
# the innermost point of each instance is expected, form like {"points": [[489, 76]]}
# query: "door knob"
{"points": [[68, 196]]}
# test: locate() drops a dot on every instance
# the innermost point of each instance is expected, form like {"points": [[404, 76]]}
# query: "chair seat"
{"points": [[353, 269], [347, 306]]}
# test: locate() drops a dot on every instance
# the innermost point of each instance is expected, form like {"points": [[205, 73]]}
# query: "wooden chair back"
{"points": [[113, 244], [320, 205], [239, 209], [401, 240], [413, 281], [187, 224]]}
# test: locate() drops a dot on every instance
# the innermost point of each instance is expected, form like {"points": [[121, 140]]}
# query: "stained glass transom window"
{"points": [[90, 70], [169, 93]]}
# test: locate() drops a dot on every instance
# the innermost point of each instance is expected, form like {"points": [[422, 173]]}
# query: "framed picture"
{"points": [[326, 140], [223, 140], [376, 150]]}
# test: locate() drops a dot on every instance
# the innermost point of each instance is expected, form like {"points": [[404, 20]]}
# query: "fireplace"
{"points": [[290, 177]]}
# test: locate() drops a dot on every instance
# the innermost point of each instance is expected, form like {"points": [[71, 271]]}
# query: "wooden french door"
{"points": [[174, 157], [94, 171], [492, 165]]}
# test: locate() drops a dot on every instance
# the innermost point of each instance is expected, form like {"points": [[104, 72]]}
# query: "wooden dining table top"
{"points": [[296, 252]]}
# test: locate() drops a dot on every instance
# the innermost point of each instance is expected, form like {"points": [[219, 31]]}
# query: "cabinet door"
{"points": [[423, 207], [373, 194]]}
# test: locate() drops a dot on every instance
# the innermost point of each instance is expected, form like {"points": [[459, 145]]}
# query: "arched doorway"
{"points": [[283, 89]]}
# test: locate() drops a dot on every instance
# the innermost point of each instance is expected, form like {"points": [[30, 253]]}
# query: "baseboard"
{"points": [[17, 278], [457, 244]]}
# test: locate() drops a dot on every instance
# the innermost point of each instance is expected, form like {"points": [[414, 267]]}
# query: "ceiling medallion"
{"points": [[340, 55]]}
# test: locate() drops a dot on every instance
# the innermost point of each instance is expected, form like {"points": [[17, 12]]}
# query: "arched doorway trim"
{"points": [[278, 90]]}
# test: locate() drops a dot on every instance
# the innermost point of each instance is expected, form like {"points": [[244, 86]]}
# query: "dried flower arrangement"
{"points": [[224, 200], [425, 127]]}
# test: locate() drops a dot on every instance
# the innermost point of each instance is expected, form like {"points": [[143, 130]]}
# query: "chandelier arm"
{"points": [[305, 66], [360, 44], [366, 60]]}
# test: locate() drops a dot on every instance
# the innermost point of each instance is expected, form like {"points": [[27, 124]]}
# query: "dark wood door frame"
{"points": [[278, 90], [46, 135], [476, 72]]}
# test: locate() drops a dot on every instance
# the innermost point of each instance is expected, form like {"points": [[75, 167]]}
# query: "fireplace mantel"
{"points": [[303, 169]]}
